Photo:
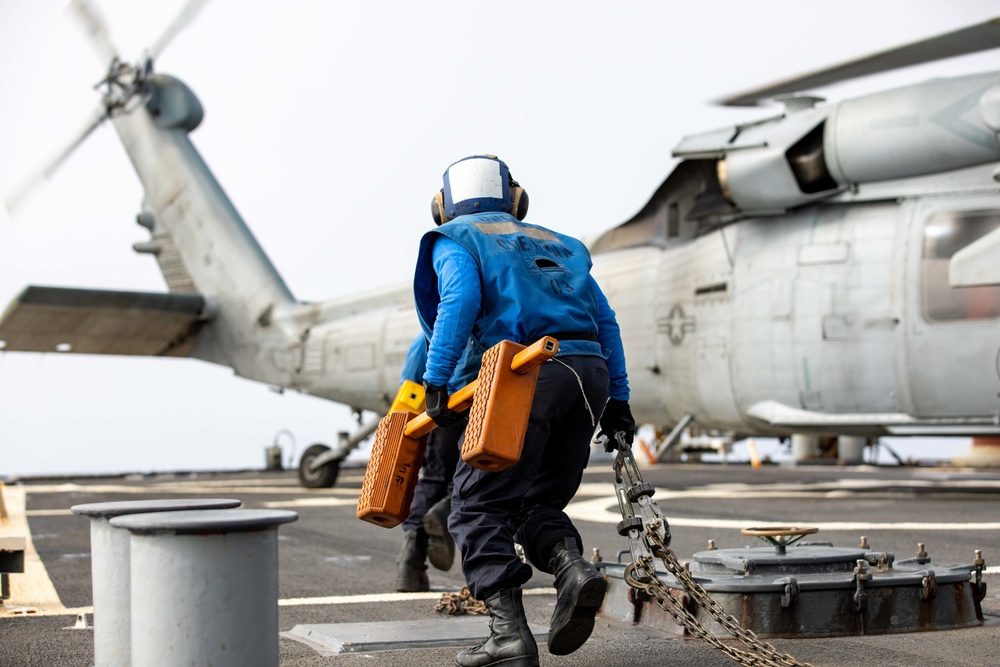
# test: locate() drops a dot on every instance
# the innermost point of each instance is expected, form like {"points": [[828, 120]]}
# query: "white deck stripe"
{"points": [[605, 510]]}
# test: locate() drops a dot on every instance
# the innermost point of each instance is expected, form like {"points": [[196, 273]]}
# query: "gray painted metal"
{"points": [[851, 449], [110, 574], [330, 639], [206, 522], [345, 445], [813, 590], [204, 587], [50, 319]]}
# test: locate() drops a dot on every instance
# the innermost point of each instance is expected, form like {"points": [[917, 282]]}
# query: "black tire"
{"points": [[325, 476]]}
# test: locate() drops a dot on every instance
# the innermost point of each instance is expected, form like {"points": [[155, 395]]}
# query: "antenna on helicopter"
{"points": [[122, 80], [973, 39]]}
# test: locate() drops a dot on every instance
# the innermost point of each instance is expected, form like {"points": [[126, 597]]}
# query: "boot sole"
{"points": [[577, 629], [412, 587], [523, 661], [440, 545]]}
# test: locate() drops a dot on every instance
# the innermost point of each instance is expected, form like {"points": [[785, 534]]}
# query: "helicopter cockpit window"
{"points": [[944, 235]]}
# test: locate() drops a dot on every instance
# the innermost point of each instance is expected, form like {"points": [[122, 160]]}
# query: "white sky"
{"points": [[329, 124]]}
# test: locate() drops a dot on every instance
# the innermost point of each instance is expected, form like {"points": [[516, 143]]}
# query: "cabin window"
{"points": [[944, 235]]}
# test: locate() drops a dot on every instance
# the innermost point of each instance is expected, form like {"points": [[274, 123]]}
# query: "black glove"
{"points": [[437, 405], [617, 418]]}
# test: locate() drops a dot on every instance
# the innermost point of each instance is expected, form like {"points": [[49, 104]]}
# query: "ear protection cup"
{"points": [[519, 202], [437, 209]]}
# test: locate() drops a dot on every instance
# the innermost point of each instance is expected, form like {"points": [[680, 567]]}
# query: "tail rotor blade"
{"points": [[96, 28], [18, 197], [181, 21], [973, 39]]}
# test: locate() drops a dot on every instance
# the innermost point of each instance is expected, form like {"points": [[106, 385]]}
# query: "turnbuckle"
{"points": [[638, 511]]}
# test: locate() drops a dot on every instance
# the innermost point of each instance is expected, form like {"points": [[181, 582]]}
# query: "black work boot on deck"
{"points": [[440, 545], [580, 592], [510, 643], [411, 575]]}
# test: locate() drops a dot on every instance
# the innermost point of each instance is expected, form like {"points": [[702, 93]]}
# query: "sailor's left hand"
{"points": [[437, 405]]}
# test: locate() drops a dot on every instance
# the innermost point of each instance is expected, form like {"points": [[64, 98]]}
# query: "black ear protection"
{"points": [[518, 199]]}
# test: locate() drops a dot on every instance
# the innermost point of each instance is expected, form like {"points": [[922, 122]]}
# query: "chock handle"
{"points": [[533, 355]]}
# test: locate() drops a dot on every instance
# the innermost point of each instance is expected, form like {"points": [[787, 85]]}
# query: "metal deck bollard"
{"points": [[109, 563], [205, 587]]}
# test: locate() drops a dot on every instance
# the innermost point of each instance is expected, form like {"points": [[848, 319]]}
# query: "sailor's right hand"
{"points": [[437, 405], [617, 418]]}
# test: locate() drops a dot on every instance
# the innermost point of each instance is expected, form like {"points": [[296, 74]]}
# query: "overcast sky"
{"points": [[329, 125]]}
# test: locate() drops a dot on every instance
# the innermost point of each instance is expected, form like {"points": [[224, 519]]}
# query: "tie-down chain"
{"points": [[648, 534]]}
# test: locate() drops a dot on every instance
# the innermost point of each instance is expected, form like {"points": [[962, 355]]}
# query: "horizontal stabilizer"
{"points": [[84, 321]]}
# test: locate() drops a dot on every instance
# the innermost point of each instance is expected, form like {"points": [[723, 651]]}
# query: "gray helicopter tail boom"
{"points": [[200, 240]]}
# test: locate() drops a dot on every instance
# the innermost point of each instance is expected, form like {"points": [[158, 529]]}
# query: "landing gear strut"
{"points": [[320, 465]]}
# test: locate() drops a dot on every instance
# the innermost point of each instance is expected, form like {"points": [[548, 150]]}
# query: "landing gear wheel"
{"points": [[323, 477]]}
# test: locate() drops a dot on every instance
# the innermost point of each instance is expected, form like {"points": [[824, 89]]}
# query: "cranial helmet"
{"points": [[477, 184]]}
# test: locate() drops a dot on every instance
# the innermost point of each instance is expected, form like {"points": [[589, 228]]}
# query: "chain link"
{"points": [[462, 602], [649, 538]]}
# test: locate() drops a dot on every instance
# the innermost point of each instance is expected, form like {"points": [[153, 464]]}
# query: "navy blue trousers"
{"points": [[524, 504], [436, 473]]}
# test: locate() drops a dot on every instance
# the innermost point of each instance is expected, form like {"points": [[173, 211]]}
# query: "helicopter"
{"points": [[762, 290]]}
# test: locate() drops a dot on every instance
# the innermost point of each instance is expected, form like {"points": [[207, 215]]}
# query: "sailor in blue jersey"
{"points": [[425, 531], [482, 276]]}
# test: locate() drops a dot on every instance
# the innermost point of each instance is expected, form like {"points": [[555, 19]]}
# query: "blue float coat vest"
{"points": [[535, 282]]}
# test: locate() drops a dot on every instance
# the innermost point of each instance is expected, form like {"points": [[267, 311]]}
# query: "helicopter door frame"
{"points": [[934, 321]]}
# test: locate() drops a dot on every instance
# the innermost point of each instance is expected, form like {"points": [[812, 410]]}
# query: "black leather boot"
{"points": [[510, 642], [440, 545], [580, 588], [411, 575]]}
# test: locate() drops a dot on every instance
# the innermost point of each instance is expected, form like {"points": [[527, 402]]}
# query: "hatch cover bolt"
{"points": [[860, 577], [929, 587], [978, 585], [791, 593], [864, 543], [921, 551], [711, 545], [596, 558]]}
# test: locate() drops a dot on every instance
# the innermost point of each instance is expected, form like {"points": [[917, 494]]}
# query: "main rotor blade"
{"points": [[181, 21], [980, 37], [96, 28], [19, 196]]}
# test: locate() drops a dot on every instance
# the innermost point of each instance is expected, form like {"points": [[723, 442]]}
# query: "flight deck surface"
{"points": [[336, 572]]}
